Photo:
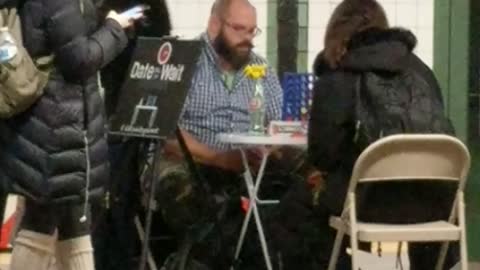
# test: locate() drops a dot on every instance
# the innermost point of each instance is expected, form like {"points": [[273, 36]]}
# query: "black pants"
{"points": [[114, 236], [65, 218]]}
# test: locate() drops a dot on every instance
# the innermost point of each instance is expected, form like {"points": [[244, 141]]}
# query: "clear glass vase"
{"points": [[257, 110]]}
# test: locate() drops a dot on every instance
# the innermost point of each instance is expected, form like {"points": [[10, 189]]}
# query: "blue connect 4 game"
{"points": [[297, 94]]}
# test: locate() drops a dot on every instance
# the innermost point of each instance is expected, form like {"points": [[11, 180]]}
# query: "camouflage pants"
{"points": [[194, 214], [185, 205], [181, 198]]}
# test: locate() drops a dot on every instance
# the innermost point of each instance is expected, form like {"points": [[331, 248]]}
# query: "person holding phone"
{"points": [[55, 153], [114, 229]]}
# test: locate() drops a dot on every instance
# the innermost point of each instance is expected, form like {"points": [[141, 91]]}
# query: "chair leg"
{"points": [[463, 255], [441, 256], [463, 237], [354, 247], [353, 230], [336, 250]]}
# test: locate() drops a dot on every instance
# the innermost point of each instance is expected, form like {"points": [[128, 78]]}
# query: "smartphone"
{"points": [[135, 12]]}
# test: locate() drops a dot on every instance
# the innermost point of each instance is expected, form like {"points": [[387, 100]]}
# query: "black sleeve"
{"points": [[80, 54], [419, 66], [331, 127]]}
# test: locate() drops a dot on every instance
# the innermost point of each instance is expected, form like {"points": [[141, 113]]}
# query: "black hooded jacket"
{"points": [[331, 129]]}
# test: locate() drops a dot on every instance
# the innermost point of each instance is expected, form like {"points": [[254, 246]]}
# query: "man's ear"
{"points": [[214, 25]]}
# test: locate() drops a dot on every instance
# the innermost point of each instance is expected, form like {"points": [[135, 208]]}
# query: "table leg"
{"points": [[252, 192], [250, 189]]}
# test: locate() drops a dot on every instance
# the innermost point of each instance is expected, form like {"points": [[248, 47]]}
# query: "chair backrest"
{"points": [[413, 157]]}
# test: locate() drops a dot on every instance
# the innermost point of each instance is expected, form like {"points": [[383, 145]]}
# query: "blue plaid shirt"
{"points": [[211, 108]]}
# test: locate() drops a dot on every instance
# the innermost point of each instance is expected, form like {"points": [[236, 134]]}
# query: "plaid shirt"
{"points": [[211, 108]]}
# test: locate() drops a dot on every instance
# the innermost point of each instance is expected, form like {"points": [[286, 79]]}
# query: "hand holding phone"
{"points": [[135, 12], [127, 17]]}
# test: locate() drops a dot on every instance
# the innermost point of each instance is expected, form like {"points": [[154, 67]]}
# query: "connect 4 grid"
{"points": [[297, 93]]}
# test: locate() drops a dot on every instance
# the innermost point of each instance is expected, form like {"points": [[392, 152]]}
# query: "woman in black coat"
{"points": [[55, 153], [359, 40]]}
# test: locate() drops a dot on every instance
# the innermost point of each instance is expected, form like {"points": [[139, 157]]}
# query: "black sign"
{"points": [[153, 94]]}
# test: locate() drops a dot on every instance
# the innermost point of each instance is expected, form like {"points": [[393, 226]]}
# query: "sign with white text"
{"points": [[153, 94]]}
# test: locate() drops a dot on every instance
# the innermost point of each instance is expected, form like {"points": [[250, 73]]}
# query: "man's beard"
{"points": [[231, 53]]}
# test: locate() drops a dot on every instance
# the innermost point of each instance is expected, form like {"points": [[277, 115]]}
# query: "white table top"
{"points": [[251, 139]]}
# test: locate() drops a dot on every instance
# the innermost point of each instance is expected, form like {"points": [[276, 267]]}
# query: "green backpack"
{"points": [[21, 78]]}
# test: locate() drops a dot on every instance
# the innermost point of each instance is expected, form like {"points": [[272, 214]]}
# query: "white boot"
{"points": [[32, 251], [76, 254]]}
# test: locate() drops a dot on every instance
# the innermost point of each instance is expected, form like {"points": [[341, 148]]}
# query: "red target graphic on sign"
{"points": [[164, 53]]}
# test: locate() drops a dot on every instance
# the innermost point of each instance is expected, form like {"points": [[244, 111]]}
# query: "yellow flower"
{"points": [[255, 72]]}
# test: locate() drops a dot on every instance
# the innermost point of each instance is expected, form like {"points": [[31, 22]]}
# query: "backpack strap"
{"points": [[3, 17], [82, 6], [12, 17], [358, 100]]}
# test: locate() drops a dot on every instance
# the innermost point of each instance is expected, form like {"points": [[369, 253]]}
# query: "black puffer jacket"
{"points": [[56, 151], [8, 3], [332, 122]]}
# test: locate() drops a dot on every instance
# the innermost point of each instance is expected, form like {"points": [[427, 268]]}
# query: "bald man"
{"points": [[219, 98], [231, 29], [217, 102]]}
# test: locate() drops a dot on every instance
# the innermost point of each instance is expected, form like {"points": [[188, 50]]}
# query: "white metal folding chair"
{"points": [[407, 157]]}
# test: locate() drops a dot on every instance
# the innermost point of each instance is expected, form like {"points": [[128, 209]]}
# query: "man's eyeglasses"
{"points": [[240, 29]]}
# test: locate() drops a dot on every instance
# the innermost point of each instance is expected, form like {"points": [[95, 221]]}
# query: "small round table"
{"points": [[243, 141]]}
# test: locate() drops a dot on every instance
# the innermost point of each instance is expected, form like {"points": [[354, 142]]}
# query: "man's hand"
{"points": [[228, 160], [172, 150], [232, 160], [201, 153], [255, 155]]}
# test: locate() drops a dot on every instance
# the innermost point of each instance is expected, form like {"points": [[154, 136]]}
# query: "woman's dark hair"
{"points": [[350, 17]]}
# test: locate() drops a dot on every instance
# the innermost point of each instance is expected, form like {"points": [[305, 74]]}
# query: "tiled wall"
{"points": [[416, 15], [190, 17]]}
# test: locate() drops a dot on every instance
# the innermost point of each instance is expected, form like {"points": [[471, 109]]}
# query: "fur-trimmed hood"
{"points": [[374, 49]]}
